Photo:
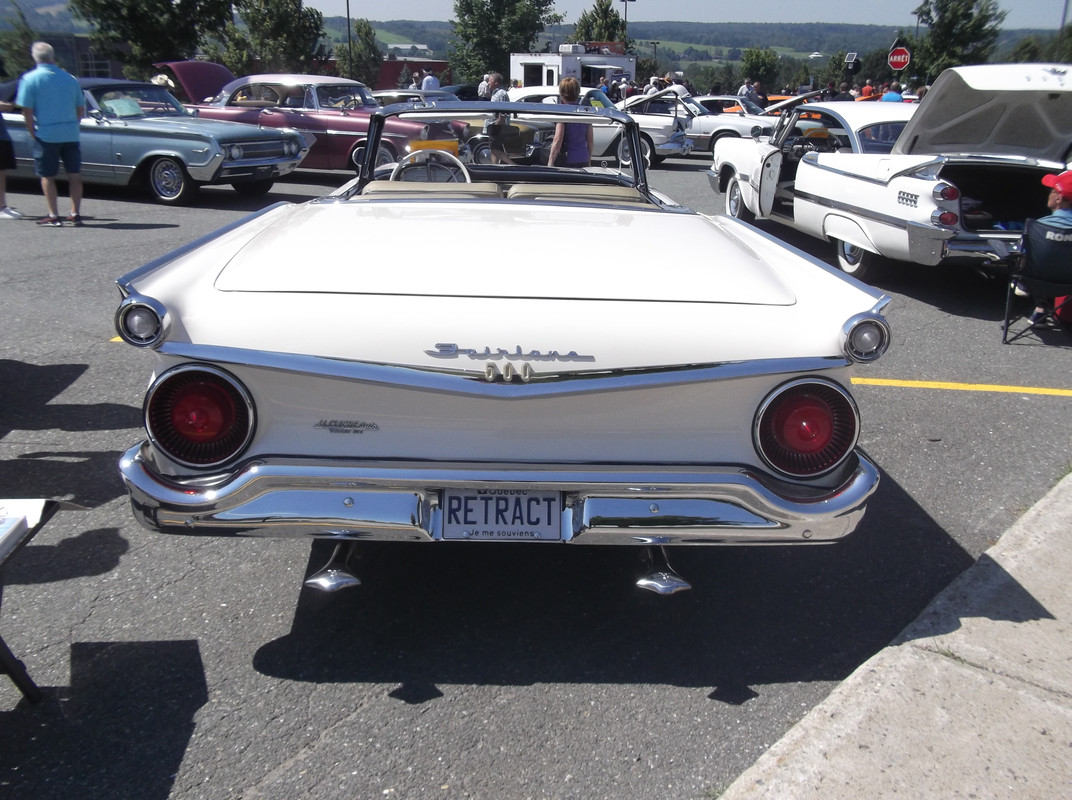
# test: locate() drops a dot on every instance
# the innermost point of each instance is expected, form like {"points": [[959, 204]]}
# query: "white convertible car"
{"points": [[475, 374], [948, 181]]}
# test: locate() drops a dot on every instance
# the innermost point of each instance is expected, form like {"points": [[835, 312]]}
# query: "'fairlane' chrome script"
{"points": [[451, 350], [346, 425]]}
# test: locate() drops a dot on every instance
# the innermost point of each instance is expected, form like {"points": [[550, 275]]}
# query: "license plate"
{"points": [[260, 173], [502, 515]]}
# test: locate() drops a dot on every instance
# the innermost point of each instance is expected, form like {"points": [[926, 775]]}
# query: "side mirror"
{"points": [[757, 131]]}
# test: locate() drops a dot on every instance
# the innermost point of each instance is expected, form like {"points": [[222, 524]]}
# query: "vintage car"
{"points": [[388, 97], [543, 393], [946, 181], [334, 111], [703, 127], [660, 138], [138, 134]]}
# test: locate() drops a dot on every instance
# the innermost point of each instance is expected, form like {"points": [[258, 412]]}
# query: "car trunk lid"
{"points": [[1022, 110], [447, 249]]}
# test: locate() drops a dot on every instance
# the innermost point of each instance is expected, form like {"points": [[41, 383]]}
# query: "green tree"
{"points": [[151, 30], [361, 60], [485, 32], [279, 36], [600, 24], [760, 65], [15, 44], [958, 32]]}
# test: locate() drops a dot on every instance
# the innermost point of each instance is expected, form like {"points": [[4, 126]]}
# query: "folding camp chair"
{"points": [[1044, 271]]}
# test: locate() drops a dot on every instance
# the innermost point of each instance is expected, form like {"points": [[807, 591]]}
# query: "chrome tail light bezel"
{"points": [[160, 401], [844, 418]]}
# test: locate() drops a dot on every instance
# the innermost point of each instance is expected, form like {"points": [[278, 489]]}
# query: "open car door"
{"points": [[768, 181]]}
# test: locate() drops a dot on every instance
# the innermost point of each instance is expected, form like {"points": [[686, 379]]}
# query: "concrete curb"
{"points": [[972, 700]]}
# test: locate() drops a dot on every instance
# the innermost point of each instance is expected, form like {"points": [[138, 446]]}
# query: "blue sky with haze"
{"points": [[1021, 13]]}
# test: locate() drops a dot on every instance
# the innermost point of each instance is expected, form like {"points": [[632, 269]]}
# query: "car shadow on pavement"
{"points": [[120, 729], [508, 614], [84, 478]]}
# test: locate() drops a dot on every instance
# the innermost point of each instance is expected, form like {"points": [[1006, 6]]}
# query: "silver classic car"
{"points": [[523, 389], [138, 133]]}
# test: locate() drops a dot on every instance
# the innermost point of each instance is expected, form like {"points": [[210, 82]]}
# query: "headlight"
{"points": [[141, 321], [234, 152], [867, 337]]}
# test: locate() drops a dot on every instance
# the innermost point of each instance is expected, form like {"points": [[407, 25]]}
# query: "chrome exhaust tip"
{"points": [[661, 578], [335, 575]]}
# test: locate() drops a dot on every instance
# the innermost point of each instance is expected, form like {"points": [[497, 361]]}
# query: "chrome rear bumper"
{"points": [[401, 502]]}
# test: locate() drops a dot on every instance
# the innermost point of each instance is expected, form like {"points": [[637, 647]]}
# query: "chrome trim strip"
{"points": [[400, 502], [860, 211], [473, 382]]}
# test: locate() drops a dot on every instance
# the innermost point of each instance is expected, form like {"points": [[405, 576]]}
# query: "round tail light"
{"points": [[199, 416], [806, 428]]}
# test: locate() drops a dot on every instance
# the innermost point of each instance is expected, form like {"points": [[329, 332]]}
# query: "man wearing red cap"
{"points": [[1060, 203]]}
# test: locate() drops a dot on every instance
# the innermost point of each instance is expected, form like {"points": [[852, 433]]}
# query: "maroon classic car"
{"points": [[334, 110]]}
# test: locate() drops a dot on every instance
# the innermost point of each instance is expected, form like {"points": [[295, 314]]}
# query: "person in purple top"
{"points": [[572, 145], [53, 104]]}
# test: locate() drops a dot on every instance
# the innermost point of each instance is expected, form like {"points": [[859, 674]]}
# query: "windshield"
{"points": [[128, 102], [462, 141], [343, 95]]}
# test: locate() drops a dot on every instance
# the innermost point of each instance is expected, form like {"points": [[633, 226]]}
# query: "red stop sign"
{"points": [[899, 58]]}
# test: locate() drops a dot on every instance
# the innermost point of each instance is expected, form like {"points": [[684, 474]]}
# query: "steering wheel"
{"points": [[440, 159]]}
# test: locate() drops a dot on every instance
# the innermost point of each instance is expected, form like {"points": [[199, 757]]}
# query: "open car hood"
{"points": [[995, 109], [201, 80]]}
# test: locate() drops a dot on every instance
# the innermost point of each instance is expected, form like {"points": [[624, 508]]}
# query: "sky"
{"points": [[1021, 13]]}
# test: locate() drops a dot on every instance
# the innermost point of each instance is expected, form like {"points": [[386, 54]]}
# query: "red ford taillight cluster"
{"points": [[199, 416], [806, 428]]}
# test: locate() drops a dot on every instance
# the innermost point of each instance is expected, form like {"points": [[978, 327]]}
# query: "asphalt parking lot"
{"points": [[197, 668]]}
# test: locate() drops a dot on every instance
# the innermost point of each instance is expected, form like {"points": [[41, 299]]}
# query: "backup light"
{"points": [[866, 338], [141, 321]]}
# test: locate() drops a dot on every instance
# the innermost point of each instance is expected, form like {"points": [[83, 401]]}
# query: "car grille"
{"points": [[266, 149]]}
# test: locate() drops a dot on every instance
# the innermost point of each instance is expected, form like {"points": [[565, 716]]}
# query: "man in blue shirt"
{"points": [[894, 94], [52, 104]]}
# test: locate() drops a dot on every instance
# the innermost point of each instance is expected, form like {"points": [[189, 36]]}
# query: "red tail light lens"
{"points": [[806, 428], [199, 416]]}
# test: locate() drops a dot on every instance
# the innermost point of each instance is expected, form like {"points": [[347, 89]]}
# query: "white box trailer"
{"points": [[547, 69]]}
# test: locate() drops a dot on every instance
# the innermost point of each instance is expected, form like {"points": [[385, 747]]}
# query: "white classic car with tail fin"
{"points": [[950, 183], [473, 375]]}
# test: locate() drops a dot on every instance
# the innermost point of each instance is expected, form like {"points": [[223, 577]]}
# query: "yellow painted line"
{"points": [[115, 339], [963, 387]]}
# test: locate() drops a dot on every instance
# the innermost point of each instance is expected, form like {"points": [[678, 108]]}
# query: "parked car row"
{"points": [[137, 133]]}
